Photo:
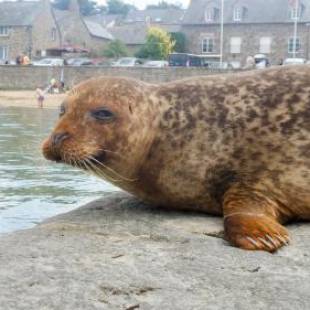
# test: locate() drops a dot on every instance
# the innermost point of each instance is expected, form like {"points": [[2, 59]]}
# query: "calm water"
{"points": [[31, 188]]}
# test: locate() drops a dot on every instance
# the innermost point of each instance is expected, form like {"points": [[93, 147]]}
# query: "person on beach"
{"points": [[40, 97]]}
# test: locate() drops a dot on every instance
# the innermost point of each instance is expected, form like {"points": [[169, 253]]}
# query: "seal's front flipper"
{"points": [[251, 222]]}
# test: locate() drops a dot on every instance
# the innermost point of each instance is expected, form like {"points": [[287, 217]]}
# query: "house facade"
{"points": [[250, 27], [26, 28], [34, 28], [80, 31]]}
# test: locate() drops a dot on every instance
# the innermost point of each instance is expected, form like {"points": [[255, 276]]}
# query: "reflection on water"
{"points": [[31, 188]]}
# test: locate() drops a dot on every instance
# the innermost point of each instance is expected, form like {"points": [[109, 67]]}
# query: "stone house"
{"points": [[80, 31], [35, 28], [26, 27], [132, 30], [250, 27]]}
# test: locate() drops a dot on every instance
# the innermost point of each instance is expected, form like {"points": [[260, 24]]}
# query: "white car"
{"points": [[49, 62], [294, 61], [127, 62], [156, 64]]}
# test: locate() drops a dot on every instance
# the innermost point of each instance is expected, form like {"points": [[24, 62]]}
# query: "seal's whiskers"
{"points": [[110, 169], [99, 172]]}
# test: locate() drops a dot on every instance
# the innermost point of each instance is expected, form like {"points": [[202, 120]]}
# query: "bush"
{"points": [[115, 49]]}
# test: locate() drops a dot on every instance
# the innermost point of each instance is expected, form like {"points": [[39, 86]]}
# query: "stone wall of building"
{"points": [[18, 41], [30, 77], [74, 30], [42, 31], [250, 35]]}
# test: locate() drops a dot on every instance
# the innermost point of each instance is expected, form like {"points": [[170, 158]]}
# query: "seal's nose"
{"points": [[58, 138]]}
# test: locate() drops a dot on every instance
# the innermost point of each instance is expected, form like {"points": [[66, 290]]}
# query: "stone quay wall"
{"points": [[31, 77]]}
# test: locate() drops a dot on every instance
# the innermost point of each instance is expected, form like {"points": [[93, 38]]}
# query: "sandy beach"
{"points": [[28, 99]]}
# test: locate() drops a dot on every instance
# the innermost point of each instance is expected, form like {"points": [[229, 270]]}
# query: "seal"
{"points": [[235, 145]]}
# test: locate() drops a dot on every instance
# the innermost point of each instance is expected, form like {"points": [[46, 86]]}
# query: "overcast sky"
{"points": [[142, 3]]}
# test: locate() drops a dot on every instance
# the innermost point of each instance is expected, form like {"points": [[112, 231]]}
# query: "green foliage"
{"points": [[164, 5], [158, 45], [118, 7], [61, 4], [115, 49], [180, 41], [87, 7]]}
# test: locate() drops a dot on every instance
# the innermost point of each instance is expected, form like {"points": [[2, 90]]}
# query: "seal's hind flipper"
{"points": [[251, 222]]}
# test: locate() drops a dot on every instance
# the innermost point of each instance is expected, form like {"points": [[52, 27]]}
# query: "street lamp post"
{"points": [[222, 34], [295, 27]]}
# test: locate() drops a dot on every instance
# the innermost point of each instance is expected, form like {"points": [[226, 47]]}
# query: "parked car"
{"points": [[294, 61], [156, 64], [82, 61], [49, 62], [261, 61], [127, 62]]}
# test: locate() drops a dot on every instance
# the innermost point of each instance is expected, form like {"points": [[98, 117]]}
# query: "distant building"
{"points": [[155, 16], [132, 30], [81, 32], [250, 27], [26, 27]]}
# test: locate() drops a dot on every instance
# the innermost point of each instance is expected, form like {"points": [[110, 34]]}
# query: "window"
{"points": [[54, 34], [4, 31], [265, 45], [4, 52], [211, 14], [296, 12], [237, 14], [208, 45], [291, 45], [235, 45]]}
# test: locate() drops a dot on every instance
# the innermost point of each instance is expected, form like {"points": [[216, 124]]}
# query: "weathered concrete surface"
{"points": [[116, 253]]}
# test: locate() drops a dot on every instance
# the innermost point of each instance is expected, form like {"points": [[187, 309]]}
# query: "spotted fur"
{"points": [[235, 144]]}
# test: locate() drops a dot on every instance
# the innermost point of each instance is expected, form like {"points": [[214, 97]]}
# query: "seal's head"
{"points": [[102, 127]]}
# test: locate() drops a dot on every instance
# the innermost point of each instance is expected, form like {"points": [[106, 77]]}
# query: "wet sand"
{"points": [[28, 99]]}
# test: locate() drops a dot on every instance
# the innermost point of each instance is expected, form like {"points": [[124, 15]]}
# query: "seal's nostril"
{"points": [[58, 138]]}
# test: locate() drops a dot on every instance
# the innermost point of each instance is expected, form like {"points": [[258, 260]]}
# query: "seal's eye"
{"points": [[62, 110], [103, 115]]}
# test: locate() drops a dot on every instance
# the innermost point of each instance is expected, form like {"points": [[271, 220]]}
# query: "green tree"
{"points": [[115, 49], [87, 7], [164, 5], [61, 4], [119, 7], [180, 41], [158, 44]]}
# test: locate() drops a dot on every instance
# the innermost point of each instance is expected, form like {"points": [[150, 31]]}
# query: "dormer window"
{"points": [[296, 13], [237, 14], [211, 14]]}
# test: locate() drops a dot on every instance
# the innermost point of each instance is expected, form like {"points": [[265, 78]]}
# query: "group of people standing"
{"points": [[23, 60]]}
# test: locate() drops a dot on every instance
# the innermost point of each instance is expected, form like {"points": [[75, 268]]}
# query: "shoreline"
{"points": [[28, 99], [122, 254]]}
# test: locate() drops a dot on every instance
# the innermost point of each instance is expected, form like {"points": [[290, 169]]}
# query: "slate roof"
{"points": [[65, 20], [258, 11], [96, 30], [170, 15], [135, 33], [19, 13], [130, 34], [106, 20]]}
